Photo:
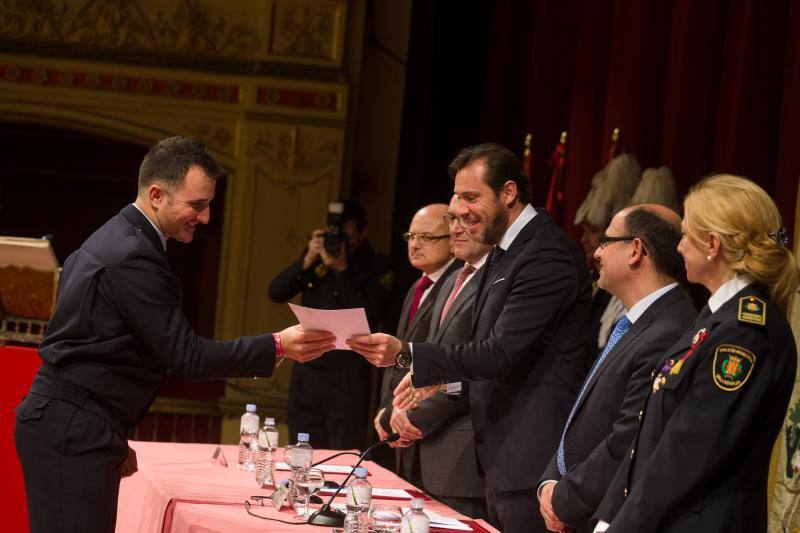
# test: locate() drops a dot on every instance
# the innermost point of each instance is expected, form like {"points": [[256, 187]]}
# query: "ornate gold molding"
{"points": [[306, 29], [187, 28], [296, 152]]}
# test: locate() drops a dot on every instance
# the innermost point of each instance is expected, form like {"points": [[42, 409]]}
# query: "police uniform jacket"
{"points": [[118, 326], [701, 456]]}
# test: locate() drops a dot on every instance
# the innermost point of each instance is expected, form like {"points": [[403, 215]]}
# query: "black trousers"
{"points": [[330, 404], [71, 462], [514, 511]]}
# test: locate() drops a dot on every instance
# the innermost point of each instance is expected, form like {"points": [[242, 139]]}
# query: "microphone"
{"points": [[326, 516]]}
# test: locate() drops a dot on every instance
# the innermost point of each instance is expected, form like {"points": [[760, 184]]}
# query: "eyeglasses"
{"points": [[424, 238], [605, 240]]}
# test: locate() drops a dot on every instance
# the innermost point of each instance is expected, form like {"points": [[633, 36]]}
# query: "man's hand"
{"points": [[303, 346], [406, 396], [378, 427], [551, 520], [400, 423], [335, 262], [130, 465], [379, 349], [314, 248]]}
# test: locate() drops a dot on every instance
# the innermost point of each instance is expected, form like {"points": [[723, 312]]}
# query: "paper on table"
{"points": [[328, 469], [396, 494], [437, 520], [343, 323]]}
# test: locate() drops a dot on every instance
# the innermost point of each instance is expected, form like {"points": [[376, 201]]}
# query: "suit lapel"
{"points": [[142, 223], [402, 326], [462, 299], [500, 270], [441, 299]]}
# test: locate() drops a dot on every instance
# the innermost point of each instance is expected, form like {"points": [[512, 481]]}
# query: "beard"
{"points": [[495, 227]]}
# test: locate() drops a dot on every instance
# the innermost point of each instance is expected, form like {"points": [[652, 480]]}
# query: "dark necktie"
{"points": [[423, 283], [497, 254], [462, 276]]}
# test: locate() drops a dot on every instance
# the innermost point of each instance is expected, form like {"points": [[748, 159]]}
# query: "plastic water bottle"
{"points": [[301, 462], [265, 454], [248, 431], [415, 521], [358, 501]]}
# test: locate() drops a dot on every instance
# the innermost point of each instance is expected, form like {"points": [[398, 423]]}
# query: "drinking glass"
{"points": [[308, 484], [385, 518]]}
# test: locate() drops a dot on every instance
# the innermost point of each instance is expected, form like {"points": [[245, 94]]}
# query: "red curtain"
{"points": [[701, 87]]}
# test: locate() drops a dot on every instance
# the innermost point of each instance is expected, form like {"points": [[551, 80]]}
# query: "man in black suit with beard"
{"points": [[526, 357], [639, 263], [117, 328]]}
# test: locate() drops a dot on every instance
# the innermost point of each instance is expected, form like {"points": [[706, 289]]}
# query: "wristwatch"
{"points": [[404, 358]]}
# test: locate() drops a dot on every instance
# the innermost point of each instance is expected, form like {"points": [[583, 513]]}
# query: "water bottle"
{"points": [[248, 431], [358, 501], [265, 454], [301, 462], [415, 521]]}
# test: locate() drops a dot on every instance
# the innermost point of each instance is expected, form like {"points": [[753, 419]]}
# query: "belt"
{"points": [[76, 395]]}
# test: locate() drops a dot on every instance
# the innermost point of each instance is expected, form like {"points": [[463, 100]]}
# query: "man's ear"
{"points": [[510, 191], [156, 195], [637, 253]]}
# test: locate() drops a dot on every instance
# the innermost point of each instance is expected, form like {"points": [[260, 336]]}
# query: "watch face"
{"points": [[404, 359]]}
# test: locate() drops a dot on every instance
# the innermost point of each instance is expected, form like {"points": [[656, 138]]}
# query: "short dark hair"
{"points": [[354, 211], [168, 162], [660, 238], [501, 165]]}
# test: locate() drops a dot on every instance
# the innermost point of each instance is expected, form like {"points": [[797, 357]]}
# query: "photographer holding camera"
{"points": [[329, 397]]}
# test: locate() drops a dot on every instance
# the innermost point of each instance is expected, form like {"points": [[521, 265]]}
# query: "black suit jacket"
{"points": [[700, 458], [526, 358], [118, 324], [606, 418], [448, 461], [416, 331]]}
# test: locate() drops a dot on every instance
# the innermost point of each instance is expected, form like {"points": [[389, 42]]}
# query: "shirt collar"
{"points": [[513, 230], [641, 306], [438, 274], [479, 263], [727, 290], [160, 234]]}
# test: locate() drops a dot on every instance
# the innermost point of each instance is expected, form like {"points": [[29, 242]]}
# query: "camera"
{"points": [[334, 235]]}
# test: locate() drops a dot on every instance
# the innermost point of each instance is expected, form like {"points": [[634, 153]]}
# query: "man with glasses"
{"points": [[526, 356], [639, 263], [329, 397], [429, 250]]}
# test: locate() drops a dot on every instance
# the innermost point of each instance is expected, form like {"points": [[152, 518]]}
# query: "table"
{"points": [[178, 490]]}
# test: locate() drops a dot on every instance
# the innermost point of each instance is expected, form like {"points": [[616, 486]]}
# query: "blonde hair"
{"points": [[747, 222]]}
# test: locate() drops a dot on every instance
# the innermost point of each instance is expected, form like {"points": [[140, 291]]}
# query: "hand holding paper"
{"points": [[342, 323]]}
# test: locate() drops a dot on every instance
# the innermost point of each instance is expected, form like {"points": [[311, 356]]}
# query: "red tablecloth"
{"points": [[178, 489]]}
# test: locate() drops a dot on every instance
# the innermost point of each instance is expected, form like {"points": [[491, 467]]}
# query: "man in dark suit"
{"points": [[525, 360], [429, 251], [639, 264], [118, 327], [444, 461]]}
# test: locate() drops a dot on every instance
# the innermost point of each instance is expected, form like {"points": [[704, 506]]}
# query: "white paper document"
{"points": [[328, 469], [396, 494], [343, 323]]}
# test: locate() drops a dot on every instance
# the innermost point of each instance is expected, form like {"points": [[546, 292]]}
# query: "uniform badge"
{"points": [[673, 367], [732, 366], [752, 310], [321, 270], [387, 280]]}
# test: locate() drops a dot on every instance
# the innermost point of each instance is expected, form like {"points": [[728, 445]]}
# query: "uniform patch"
{"points": [[387, 280], [752, 310], [321, 270], [732, 366]]}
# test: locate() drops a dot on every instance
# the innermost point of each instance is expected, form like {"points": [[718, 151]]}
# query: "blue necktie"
{"points": [[619, 330]]}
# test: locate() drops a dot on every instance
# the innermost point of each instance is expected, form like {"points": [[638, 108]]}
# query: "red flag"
{"points": [[555, 195]]}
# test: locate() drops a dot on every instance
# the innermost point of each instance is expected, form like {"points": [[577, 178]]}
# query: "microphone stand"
{"points": [[326, 516]]}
